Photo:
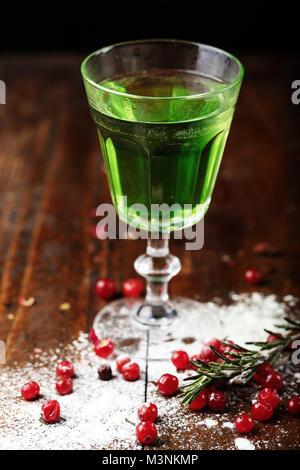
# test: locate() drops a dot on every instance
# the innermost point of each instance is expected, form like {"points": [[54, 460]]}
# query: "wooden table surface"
{"points": [[51, 177]]}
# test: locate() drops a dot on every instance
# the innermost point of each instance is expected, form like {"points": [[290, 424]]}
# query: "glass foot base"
{"points": [[126, 322]]}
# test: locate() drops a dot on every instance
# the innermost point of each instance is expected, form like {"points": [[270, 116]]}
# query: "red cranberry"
{"points": [[213, 342], [262, 411], [121, 361], [253, 276], [207, 355], [294, 406], [51, 411], [104, 372], [146, 432], [180, 360], [244, 423], [148, 412], [168, 384], [64, 385], [216, 401], [273, 380], [104, 348], [131, 371], [264, 369], [272, 338], [132, 287], [105, 288], [267, 395], [65, 369], [194, 358], [199, 402], [30, 390]]}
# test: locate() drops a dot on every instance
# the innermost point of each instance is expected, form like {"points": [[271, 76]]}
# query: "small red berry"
{"points": [[244, 423], [168, 384], [51, 411], [148, 412], [199, 402], [105, 288], [132, 287], [146, 432], [180, 360], [253, 276], [104, 348], [294, 406], [207, 355], [273, 380], [65, 369], [131, 371], [64, 385], [213, 342], [121, 361], [30, 390], [265, 369], [272, 338], [267, 395], [194, 358], [262, 411], [216, 400]]}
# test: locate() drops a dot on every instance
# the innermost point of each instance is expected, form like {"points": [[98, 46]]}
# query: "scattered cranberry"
{"points": [[180, 360], [121, 361], [253, 276], [65, 369], [199, 402], [148, 412], [244, 423], [294, 406], [132, 287], [267, 395], [195, 359], [104, 348], [105, 288], [30, 390], [93, 337], [273, 380], [104, 372], [213, 342], [262, 411], [207, 355], [264, 369], [216, 401], [146, 432], [168, 384], [131, 371], [51, 411], [64, 385], [272, 338]]}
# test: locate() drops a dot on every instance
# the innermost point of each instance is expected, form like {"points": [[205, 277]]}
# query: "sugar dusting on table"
{"points": [[102, 415]]}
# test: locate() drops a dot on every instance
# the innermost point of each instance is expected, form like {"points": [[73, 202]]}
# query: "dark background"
{"points": [[242, 28]]}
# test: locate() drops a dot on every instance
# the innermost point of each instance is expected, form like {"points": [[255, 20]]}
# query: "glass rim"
{"points": [[221, 90]]}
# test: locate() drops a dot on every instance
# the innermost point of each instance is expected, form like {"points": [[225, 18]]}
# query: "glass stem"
{"points": [[158, 266]]}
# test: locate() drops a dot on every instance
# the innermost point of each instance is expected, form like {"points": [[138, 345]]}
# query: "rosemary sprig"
{"points": [[242, 367]]}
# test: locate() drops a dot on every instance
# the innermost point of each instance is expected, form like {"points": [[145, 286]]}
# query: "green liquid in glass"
{"points": [[174, 160]]}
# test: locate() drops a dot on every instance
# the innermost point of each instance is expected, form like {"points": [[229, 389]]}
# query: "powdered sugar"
{"points": [[102, 415], [243, 444]]}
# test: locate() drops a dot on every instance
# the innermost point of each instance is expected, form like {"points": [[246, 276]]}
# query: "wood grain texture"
{"points": [[51, 176]]}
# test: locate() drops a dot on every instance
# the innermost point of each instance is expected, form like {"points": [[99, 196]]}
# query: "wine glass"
{"points": [[163, 110]]}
